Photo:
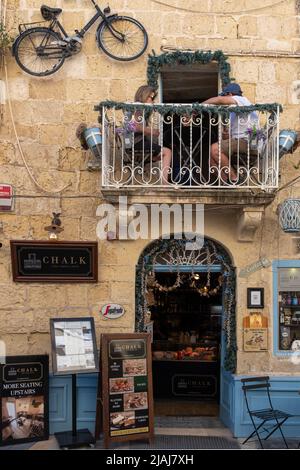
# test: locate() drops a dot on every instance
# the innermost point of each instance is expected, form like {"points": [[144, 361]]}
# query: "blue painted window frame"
{"points": [[291, 263]]}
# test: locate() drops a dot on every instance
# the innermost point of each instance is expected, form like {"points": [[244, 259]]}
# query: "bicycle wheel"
{"points": [[130, 40], [37, 54]]}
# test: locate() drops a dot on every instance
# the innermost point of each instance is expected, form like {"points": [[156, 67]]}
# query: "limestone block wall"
{"points": [[46, 112]]}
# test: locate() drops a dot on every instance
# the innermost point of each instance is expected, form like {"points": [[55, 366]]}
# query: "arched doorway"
{"points": [[166, 269]]}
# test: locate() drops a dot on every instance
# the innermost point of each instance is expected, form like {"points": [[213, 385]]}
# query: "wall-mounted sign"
{"points": [[252, 268], [55, 261], [6, 198], [24, 412], [255, 297], [255, 332], [74, 347], [188, 385], [126, 392], [112, 311], [255, 339], [288, 279]]}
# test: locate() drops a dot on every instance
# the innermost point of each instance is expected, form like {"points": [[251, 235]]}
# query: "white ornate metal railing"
{"points": [[178, 146]]}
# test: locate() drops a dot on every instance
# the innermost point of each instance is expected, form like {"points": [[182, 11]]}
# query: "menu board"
{"points": [[127, 387], [24, 399]]}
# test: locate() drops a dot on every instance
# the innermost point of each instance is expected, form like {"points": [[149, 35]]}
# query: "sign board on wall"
{"points": [[24, 397], [112, 311], [288, 279], [126, 392], [55, 261], [255, 332], [255, 339], [252, 268], [6, 198]]}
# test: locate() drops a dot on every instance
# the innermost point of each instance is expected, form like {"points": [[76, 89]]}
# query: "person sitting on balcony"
{"points": [[144, 134], [237, 141]]}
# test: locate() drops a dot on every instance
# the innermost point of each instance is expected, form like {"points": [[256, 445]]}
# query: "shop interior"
{"points": [[186, 312]]}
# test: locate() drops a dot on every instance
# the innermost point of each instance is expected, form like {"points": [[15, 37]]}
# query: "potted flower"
{"points": [[256, 137]]}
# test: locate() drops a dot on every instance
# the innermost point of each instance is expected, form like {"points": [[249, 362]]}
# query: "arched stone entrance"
{"points": [[174, 253]]}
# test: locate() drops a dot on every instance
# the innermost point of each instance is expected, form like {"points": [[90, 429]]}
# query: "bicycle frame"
{"points": [[82, 32]]}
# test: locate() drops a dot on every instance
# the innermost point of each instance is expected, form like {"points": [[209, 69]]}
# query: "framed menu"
{"points": [[74, 346], [24, 399], [126, 392]]}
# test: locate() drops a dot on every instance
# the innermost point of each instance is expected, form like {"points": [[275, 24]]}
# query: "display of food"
{"points": [[188, 353], [121, 385], [134, 401], [135, 367], [122, 420]]}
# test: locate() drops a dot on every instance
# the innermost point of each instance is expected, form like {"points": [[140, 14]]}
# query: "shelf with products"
{"points": [[289, 321], [201, 351]]}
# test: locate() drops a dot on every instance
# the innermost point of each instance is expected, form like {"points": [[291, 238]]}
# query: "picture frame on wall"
{"points": [[255, 297], [74, 347]]}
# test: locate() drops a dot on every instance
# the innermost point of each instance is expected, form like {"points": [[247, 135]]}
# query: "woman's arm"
{"points": [[141, 126]]}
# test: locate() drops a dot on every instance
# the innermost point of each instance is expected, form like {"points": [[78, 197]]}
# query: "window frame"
{"points": [[292, 263]]}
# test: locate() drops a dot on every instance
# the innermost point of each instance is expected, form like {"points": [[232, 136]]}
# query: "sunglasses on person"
{"points": [[153, 96]]}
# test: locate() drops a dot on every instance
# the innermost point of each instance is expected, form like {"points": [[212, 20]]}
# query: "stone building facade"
{"points": [[262, 43]]}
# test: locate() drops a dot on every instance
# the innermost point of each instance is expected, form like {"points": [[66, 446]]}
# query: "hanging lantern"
{"points": [[289, 215]]}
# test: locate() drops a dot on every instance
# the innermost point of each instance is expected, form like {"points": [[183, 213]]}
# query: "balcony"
{"points": [[134, 136]]}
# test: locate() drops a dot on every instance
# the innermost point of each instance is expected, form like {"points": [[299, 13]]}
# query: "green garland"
{"points": [[185, 58], [164, 109], [145, 265]]}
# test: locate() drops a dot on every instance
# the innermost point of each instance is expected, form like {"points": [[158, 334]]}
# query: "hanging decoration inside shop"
{"points": [[180, 257], [255, 332], [289, 215], [120, 37], [54, 261], [162, 252], [24, 399], [205, 291]]}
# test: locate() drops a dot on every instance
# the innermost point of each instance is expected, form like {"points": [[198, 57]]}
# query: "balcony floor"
{"points": [[214, 197]]}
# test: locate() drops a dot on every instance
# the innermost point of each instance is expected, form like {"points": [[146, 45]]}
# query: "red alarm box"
{"points": [[6, 198]]}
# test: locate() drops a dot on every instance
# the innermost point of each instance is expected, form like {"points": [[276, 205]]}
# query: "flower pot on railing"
{"points": [[256, 138], [93, 138], [289, 215]]}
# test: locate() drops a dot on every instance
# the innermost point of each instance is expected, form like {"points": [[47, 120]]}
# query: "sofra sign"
{"points": [[54, 261], [112, 311]]}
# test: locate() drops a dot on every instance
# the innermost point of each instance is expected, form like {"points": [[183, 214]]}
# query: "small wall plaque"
{"points": [[255, 332], [112, 311]]}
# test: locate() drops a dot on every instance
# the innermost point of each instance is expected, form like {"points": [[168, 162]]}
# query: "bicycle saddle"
{"points": [[49, 13]]}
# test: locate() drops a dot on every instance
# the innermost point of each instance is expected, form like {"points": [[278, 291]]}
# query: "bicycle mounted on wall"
{"points": [[42, 50]]}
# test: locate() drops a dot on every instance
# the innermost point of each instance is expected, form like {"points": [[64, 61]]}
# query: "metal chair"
{"points": [[271, 419]]}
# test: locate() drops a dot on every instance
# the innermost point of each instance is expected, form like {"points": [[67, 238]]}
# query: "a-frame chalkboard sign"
{"points": [[125, 396]]}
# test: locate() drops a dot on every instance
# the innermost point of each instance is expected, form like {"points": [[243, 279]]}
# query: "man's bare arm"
{"points": [[220, 100]]}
